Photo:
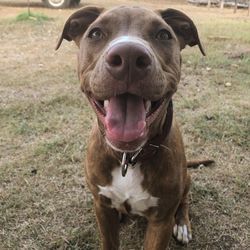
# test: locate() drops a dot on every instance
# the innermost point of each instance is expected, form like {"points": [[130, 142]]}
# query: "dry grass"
{"points": [[45, 120]]}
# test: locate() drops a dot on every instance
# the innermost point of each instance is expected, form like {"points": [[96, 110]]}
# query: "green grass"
{"points": [[227, 127], [33, 17], [228, 28], [36, 119]]}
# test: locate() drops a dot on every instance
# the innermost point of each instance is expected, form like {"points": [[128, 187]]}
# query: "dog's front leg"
{"points": [[108, 222], [158, 235]]}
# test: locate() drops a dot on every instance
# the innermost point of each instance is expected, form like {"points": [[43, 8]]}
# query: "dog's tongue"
{"points": [[125, 118]]}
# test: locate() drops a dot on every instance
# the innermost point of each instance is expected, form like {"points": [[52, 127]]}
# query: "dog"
{"points": [[129, 66]]}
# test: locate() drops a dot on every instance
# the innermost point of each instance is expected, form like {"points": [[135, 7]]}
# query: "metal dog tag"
{"points": [[134, 157], [124, 164]]}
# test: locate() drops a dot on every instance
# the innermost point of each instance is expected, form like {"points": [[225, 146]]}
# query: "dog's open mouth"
{"points": [[126, 117]]}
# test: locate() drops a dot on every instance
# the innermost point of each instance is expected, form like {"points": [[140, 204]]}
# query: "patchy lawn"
{"points": [[45, 121]]}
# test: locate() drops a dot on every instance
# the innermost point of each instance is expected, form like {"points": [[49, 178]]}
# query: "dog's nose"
{"points": [[128, 61]]}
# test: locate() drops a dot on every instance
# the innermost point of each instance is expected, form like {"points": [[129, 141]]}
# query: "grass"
{"points": [[224, 126], [45, 123], [30, 16]]}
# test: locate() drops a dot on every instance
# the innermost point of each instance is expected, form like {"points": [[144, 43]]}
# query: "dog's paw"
{"points": [[182, 233]]}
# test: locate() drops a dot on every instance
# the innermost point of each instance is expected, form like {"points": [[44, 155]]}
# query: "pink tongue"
{"points": [[125, 118]]}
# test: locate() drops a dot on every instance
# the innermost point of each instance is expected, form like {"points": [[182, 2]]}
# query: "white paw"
{"points": [[182, 234]]}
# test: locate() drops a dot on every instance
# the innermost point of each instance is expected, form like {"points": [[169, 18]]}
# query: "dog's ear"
{"points": [[78, 23], [183, 27]]}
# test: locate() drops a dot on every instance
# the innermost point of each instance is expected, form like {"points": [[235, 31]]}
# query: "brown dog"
{"points": [[129, 66]]}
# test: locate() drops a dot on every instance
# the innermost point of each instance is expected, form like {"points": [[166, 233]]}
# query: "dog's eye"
{"points": [[95, 34], [163, 35]]}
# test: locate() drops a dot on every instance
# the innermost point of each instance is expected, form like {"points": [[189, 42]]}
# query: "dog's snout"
{"points": [[128, 61]]}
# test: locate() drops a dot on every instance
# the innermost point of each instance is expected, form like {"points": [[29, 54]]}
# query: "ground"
{"points": [[45, 122]]}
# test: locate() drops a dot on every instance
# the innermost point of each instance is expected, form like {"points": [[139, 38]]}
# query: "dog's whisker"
{"points": [[158, 146], [161, 145]]}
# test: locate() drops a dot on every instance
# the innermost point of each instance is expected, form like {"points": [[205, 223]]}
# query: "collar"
{"points": [[151, 147]]}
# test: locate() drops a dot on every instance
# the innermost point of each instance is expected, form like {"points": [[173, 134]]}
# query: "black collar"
{"points": [[152, 146]]}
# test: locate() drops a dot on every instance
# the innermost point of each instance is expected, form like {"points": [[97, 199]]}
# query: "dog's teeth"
{"points": [[106, 103], [148, 106]]}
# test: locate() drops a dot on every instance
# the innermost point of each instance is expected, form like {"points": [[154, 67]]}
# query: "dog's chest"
{"points": [[127, 192]]}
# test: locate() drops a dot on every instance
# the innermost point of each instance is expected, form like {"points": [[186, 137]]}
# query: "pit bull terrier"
{"points": [[129, 66]]}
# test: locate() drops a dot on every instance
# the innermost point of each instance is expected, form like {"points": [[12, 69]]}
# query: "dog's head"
{"points": [[129, 66]]}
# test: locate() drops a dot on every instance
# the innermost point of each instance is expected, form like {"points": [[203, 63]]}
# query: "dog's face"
{"points": [[129, 66]]}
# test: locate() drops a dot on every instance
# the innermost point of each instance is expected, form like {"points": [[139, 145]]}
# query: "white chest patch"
{"points": [[129, 189]]}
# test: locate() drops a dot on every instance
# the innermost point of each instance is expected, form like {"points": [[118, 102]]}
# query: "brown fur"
{"points": [[165, 174]]}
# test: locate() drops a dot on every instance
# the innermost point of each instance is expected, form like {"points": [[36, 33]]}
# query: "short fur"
{"points": [[164, 176]]}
